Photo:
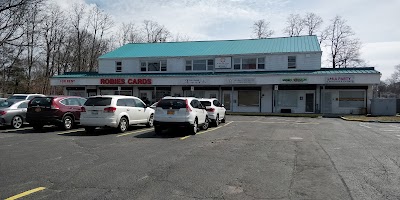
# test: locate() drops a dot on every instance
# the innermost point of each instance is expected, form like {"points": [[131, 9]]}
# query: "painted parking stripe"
{"points": [[363, 125], [182, 138], [213, 129], [26, 193], [133, 132], [71, 131], [15, 130]]}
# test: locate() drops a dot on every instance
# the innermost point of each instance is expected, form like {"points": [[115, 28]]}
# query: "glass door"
{"points": [[327, 102], [227, 100], [310, 102]]}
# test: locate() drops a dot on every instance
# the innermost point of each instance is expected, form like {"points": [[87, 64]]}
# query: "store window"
{"points": [[153, 66], [291, 62], [248, 98], [287, 98], [248, 63], [236, 63], [261, 63], [118, 66], [199, 65], [352, 99]]}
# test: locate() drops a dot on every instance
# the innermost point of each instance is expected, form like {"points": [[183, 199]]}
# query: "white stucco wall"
{"points": [[273, 62]]}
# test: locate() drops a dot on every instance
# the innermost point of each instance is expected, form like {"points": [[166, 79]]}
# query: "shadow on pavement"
{"points": [[102, 131], [170, 133]]}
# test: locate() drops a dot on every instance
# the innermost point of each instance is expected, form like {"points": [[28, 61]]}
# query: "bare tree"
{"points": [[130, 34], [312, 23], [344, 48], [12, 18], [294, 25], [53, 35], [77, 20], [155, 32], [33, 20], [181, 38], [261, 29], [100, 22]]}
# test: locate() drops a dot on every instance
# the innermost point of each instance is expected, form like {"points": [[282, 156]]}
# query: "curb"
{"points": [[362, 120], [274, 115]]}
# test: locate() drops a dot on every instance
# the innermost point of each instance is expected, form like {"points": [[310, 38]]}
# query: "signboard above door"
{"points": [[223, 63]]}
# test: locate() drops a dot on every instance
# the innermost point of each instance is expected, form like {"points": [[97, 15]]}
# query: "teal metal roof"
{"points": [[323, 71], [222, 47]]}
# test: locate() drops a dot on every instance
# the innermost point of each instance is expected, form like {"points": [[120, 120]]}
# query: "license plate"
{"points": [[38, 109], [170, 112], [95, 112]]}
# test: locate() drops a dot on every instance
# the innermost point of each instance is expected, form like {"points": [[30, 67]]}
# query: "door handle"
{"points": [[127, 109]]}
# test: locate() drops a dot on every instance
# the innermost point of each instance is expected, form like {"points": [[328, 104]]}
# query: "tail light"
{"points": [[3, 112], [83, 109], [54, 105], [210, 109], [110, 109], [188, 109]]}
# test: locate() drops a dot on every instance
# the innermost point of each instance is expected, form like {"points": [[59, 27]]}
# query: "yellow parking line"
{"points": [[26, 193], [13, 130], [133, 132], [71, 131], [182, 138], [214, 128]]}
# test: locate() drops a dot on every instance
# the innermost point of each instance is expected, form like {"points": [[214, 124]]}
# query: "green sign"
{"points": [[295, 80]]}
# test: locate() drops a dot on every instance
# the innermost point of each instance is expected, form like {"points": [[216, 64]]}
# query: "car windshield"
{"points": [[206, 103], [172, 103], [6, 104], [41, 101], [98, 101], [17, 97]]}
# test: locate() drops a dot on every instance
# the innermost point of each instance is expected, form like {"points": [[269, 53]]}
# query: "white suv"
{"points": [[185, 112], [24, 96], [115, 111], [216, 110]]}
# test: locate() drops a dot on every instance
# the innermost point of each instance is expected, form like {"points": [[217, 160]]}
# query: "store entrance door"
{"points": [[327, 102], [226, 100], [310, 102]]}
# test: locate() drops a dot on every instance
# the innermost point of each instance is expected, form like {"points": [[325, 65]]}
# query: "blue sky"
{"points": [[374, 22]]}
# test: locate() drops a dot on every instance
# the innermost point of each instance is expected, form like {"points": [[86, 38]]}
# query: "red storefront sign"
{"points": [[122, 81], [67, 81]]}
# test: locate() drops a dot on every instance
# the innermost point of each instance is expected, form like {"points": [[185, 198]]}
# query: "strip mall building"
{"points": [[271, 75]]}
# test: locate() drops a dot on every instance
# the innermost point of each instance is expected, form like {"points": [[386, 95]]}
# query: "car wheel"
{"points": [[150, 122], [224, 119], [89, 129], [206, 124], [68, 123], [216, 123], [123, 124], [194, 128], [157, 130], [17, 122], [37, 127]]}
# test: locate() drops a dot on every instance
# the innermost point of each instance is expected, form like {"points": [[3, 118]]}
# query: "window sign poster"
{"points": [[223, 63]]}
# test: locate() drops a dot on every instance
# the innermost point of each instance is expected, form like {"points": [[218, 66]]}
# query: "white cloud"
{"points": [[383, 55]]}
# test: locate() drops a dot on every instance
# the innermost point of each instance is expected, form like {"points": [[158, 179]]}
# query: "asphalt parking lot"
{"points": [[244, 158]]}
